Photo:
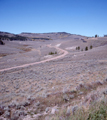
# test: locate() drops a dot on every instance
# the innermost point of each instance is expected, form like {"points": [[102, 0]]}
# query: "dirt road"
{"points": [[30, 64]]}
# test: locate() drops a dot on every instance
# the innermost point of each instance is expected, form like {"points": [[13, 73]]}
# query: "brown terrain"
{"points": [[51, 72]]}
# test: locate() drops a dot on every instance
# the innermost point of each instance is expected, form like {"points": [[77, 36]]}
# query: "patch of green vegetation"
{"points": [[52, 53], [99, 113], [91, 47], [86, 48], [96, 111], [78, 48]]}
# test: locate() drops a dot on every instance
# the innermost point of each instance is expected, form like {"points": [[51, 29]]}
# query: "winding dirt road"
{"points": [[30, 64]]}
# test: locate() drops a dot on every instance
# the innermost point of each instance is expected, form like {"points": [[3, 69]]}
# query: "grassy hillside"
{"points": [[96, 111]]}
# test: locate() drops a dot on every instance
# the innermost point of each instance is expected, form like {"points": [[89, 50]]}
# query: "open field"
{"points": [[48, 79]]}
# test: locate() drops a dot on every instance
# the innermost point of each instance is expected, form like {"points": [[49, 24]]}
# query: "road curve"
{"points": [[30, 64]]}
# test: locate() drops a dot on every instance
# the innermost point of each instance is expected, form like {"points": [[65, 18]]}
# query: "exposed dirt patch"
{"points": [[3, 54], [25, 49]]}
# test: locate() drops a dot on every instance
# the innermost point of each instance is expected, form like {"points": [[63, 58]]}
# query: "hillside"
{"points": [[51, 36], [38, 36], [55, 76], [11, 37]]}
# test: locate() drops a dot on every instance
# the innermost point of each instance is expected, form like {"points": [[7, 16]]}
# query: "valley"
{"points": [[40, 77]]}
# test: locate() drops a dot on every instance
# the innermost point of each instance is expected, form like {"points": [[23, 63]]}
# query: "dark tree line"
{"points": [[41, 38], [16, 37]]}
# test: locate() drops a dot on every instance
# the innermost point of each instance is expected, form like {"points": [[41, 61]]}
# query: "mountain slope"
{"points": [[10, 36]]}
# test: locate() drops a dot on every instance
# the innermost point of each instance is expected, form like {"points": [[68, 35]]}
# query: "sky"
{"points": [[83, 17]]}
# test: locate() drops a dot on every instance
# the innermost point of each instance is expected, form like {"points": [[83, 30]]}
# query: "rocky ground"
{"points": [[42, 90]]}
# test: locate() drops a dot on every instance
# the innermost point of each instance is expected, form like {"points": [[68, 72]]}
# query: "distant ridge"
{"points": [[11, 36], [45, 33], [39, 36]]}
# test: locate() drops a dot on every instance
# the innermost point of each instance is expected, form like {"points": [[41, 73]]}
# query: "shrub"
{"points": [[96, 35], [55, 52], [86, 48], [78, 48], [91, 47], [52, 53], [1, 42]]}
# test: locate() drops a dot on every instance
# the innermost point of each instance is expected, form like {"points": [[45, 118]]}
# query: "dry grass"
{"points": [[26, 49], [58, 98]]}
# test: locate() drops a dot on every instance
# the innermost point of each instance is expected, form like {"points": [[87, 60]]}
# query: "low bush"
{"points": [[78, 48], [52, 53], [91, 47], [86, 48]]}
